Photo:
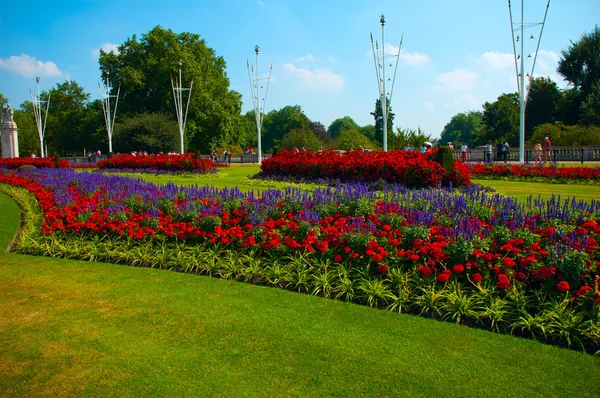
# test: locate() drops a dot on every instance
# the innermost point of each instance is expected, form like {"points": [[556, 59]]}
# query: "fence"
{"points": [[557, 154]]}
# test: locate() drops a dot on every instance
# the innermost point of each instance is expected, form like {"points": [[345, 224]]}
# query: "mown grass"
{"points": [[522, 190], [77, 328]]}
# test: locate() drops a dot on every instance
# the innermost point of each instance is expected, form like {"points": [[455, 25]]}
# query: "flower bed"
{"points": [[407, 167], [536, 173], [465, 256], [15, 163], [185, 162]]}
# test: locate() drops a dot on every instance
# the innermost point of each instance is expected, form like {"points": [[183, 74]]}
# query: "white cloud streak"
{"points": [[319, 78], [28, 66], [458, 80], [406, 57], [497, 60], [107, 48]]}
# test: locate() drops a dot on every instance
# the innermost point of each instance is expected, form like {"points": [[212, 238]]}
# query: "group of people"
{"points": [[545, 151], [225, 157], [502, 152]]}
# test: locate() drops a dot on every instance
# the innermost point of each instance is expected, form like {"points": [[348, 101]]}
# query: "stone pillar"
{"points": [[9, 137], [10, 140]]}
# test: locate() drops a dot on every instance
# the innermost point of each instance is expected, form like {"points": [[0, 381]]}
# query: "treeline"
{"points": [[569, 117], [146, 120]]}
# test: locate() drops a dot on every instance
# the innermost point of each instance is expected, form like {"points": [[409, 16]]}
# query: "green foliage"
{"points": [[378, 116], [3, 101], [301, 139], [278, 123], [501, 120], [144, 69], [342, 124], [445, 158], [542, 103], [579, 63], [321, 132], [563, 135], [402, 138], [352, 139], [151, 132], [462, 128]]}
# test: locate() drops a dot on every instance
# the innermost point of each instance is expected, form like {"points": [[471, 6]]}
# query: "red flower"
{"points": [[444, 276], [338, 258], [382, 268], [458, 268], [503, 282], [583, 290], [476, 278], [563, 286], [508, 262], [520, 276], [425, 271]]}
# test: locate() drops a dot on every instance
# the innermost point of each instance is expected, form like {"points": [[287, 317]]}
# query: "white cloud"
{"points": [[30, 67], [429, 105], [306, 58], [407, 57], [318, 78], [107, 48], [546, 63], [497, 60], [464, 101], [260, 3], [458, 79]]}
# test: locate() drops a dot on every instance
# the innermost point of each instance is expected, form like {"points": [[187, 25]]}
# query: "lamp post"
{"points": [[178, 99], [106, 108], [37, 102], [380, 73], [255, 87], [519, 27]]}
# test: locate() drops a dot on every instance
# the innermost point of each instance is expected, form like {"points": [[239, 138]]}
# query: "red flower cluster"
{"points": [[407, 167], [550, 173], [15, 163], [186, 162]]}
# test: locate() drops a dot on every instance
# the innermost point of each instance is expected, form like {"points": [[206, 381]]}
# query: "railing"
{"points": [[557, 155]]}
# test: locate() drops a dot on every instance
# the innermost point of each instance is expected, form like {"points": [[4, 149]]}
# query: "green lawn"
{"points": [[78, 328], [522, 190]]}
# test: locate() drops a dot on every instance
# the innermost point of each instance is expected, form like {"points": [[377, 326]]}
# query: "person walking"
{"points": [[505, 152], [537, 150], [488, 152], [547, 149], [463, 151], [499, 151]]}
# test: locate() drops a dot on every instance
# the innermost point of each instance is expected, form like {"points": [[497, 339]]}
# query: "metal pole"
{"points": [[180, 111], [258, 117], [108, 126], [522, 95], [384, 94]]}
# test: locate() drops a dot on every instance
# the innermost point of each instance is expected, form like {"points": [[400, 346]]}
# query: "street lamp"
{"points": [[255, 87]]}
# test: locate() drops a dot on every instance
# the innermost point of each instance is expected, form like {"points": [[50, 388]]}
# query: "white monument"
{"points": [[10, 137]]}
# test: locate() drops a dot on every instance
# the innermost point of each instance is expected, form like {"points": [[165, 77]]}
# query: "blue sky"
{"points": [[456, 54]]}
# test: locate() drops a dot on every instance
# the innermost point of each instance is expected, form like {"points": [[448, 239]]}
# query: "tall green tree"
{"points": [[542, 103], [321, 132], [353, 139], [501, 120], [29, 141], [301, 139], [341, 124], [404, 137], [145, 67], [3, 101], [378, 116], [580, 66], [368, 131], [462, 127], [151, 132], [278, 123]]}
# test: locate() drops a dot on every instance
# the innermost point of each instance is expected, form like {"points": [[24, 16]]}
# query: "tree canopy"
{"points": [[144, 69], [462, 128], [341, 124]]}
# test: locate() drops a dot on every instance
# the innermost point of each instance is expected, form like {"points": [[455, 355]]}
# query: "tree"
{"points": [[462, 127], [321, 132], [590, 108], [580, 66], [278, 123], [65, 128], [378, 115], [402, 138], [564, 135], [144, 69], [29, 141], [3, 101], [301, 139], [368, 131], [151, 132], [341, 124], [352, 139], [542, 103], [501, 120]]}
